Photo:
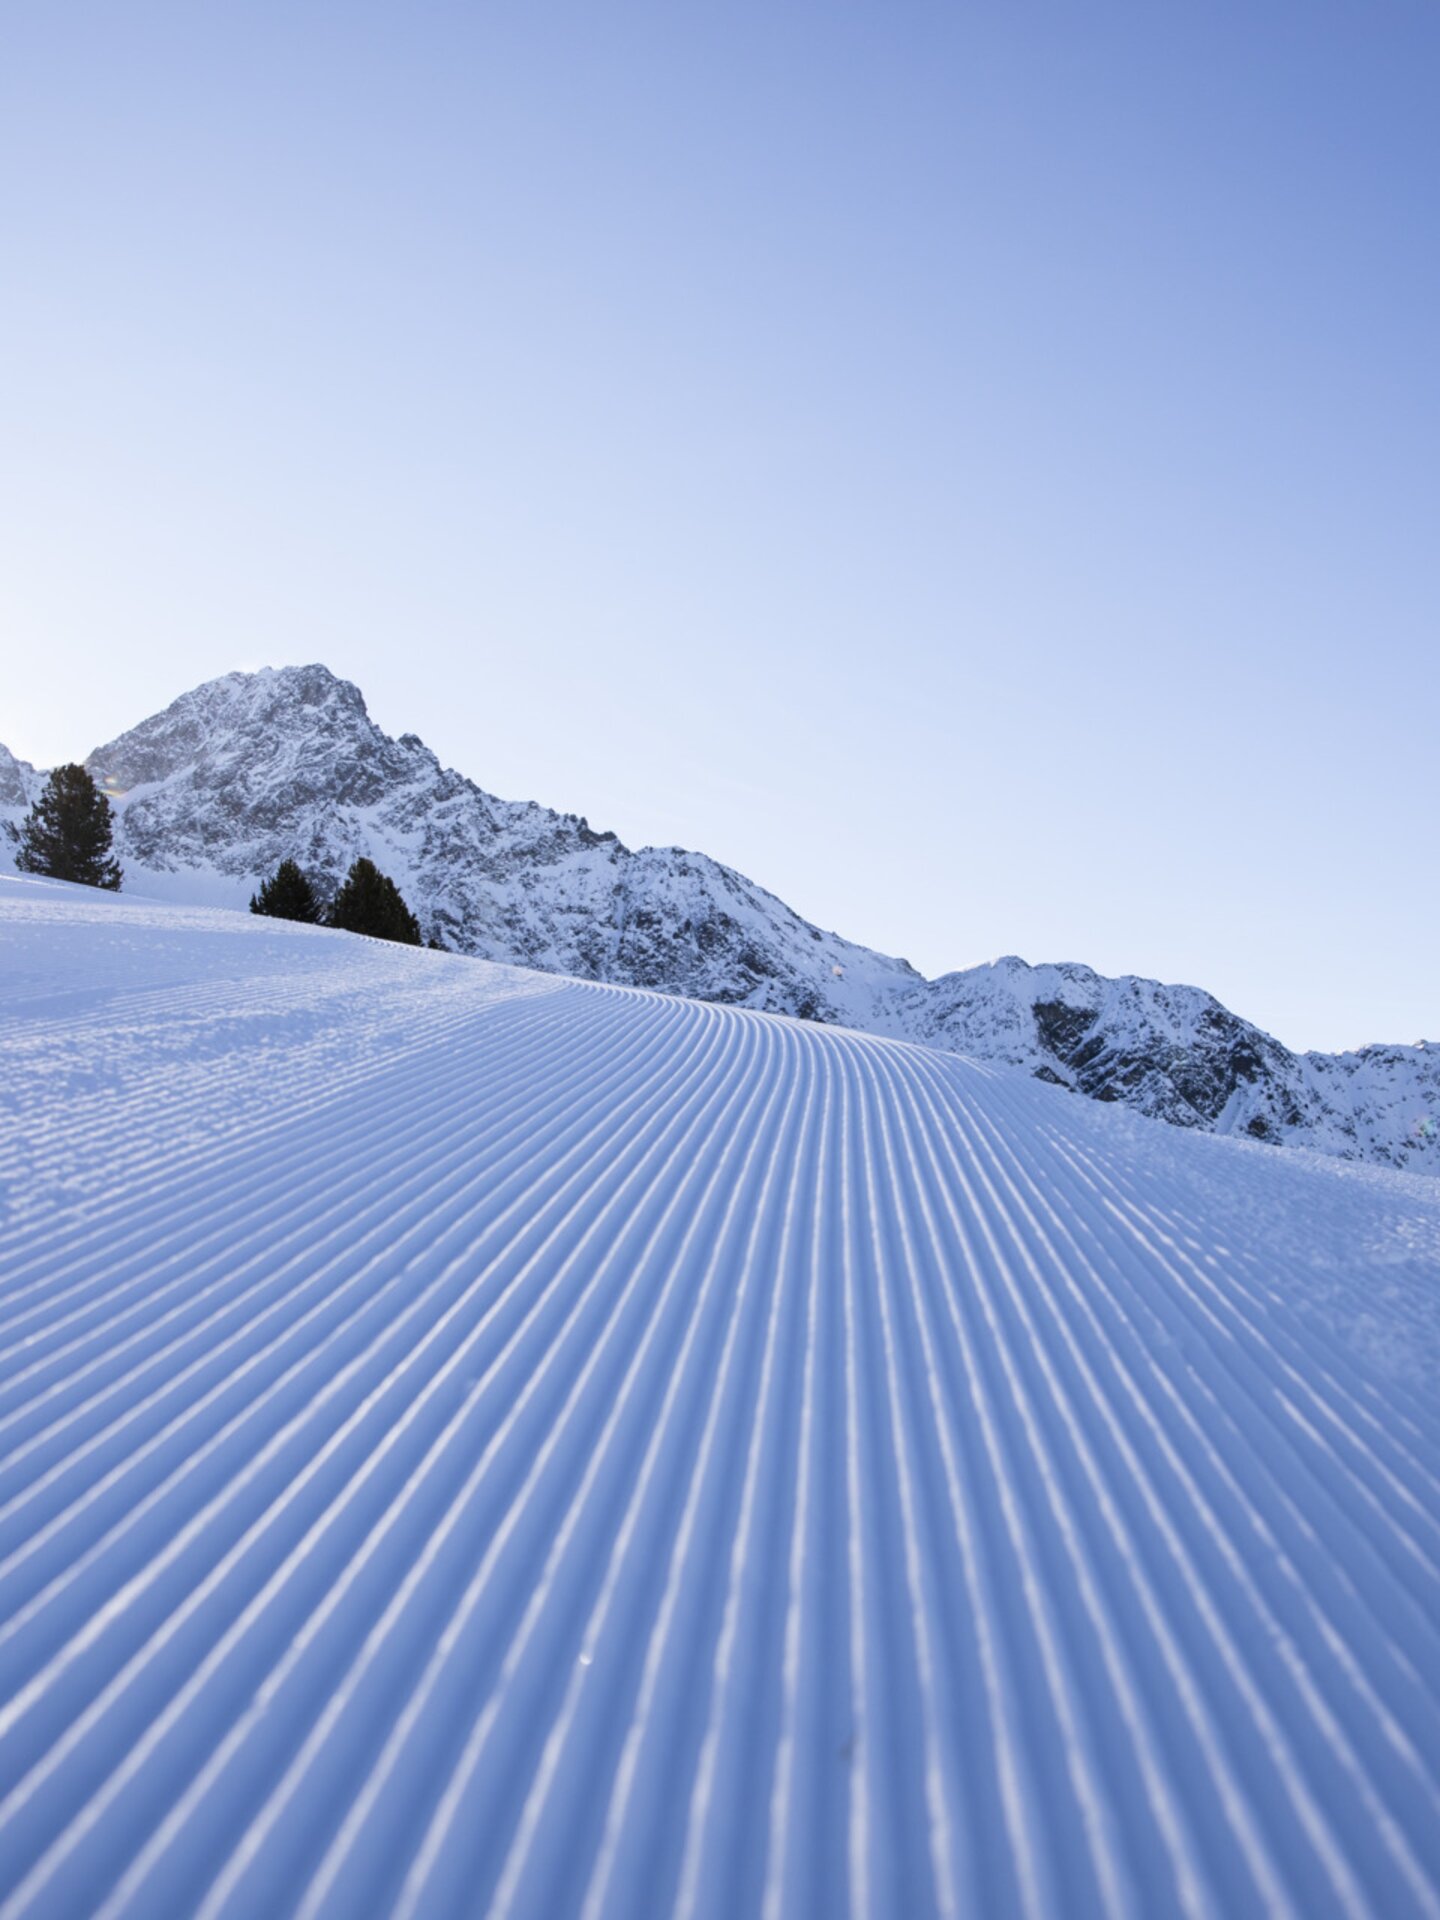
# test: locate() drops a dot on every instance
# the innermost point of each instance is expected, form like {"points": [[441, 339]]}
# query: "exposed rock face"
{"points": [[251, 769]]}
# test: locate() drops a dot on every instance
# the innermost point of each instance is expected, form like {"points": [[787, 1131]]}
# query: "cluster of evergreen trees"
{"points": [[368, 902], [67, 836]]}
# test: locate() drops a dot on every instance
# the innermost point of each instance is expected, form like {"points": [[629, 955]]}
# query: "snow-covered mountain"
{"points": [[250, 769], [1176, 1054], [474, 1443], [19, 786], [242, 772]]}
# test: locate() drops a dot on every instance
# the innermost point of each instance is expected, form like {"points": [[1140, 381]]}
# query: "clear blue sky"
{"points": [[971, 466]]}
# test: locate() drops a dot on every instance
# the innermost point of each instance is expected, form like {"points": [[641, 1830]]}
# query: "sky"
{"points": [[972, 467]]}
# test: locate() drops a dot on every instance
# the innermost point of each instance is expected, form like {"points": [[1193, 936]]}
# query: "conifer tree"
{"points": [[287, 895], [66, 834], [370, 902]]}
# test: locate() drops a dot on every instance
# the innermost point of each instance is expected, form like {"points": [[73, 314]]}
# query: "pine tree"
{"points": [[370, 902], [66, 834], [287, 895]]}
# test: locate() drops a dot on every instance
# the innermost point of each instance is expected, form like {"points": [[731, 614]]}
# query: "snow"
{"points": [[473, 1442]]}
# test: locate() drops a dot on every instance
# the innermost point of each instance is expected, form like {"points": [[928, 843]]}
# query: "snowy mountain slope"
{"points": [[481, 1444], [253, 768], [19, 789], [1176, 1054], [18, 781]]}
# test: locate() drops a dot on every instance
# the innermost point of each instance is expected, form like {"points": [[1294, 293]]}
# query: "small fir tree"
{"points": [[287, 895], [66, 834], [370, 902]]}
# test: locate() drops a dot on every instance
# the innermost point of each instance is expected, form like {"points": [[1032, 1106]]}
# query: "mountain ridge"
{"points": [[243, 771]]}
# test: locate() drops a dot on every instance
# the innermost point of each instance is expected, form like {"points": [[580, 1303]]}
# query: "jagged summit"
{"points": [[255, 724], [252, 768]]}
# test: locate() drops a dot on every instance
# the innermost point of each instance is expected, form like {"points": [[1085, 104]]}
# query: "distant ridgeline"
{"points": [[211, 795]]}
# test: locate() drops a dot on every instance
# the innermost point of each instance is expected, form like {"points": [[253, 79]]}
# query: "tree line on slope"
{"points": [[67, 835]]}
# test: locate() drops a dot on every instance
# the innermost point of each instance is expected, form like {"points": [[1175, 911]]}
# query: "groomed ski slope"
{"points": [[477, 1444]]}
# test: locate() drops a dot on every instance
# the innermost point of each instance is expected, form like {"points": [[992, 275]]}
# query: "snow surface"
{"points": [[481, 1443]]}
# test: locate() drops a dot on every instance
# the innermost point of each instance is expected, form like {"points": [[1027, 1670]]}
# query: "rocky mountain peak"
{"points": [[244, 722]]}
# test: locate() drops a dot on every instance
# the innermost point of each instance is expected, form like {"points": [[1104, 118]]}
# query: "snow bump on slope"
{"points": [[472, 1443]]}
